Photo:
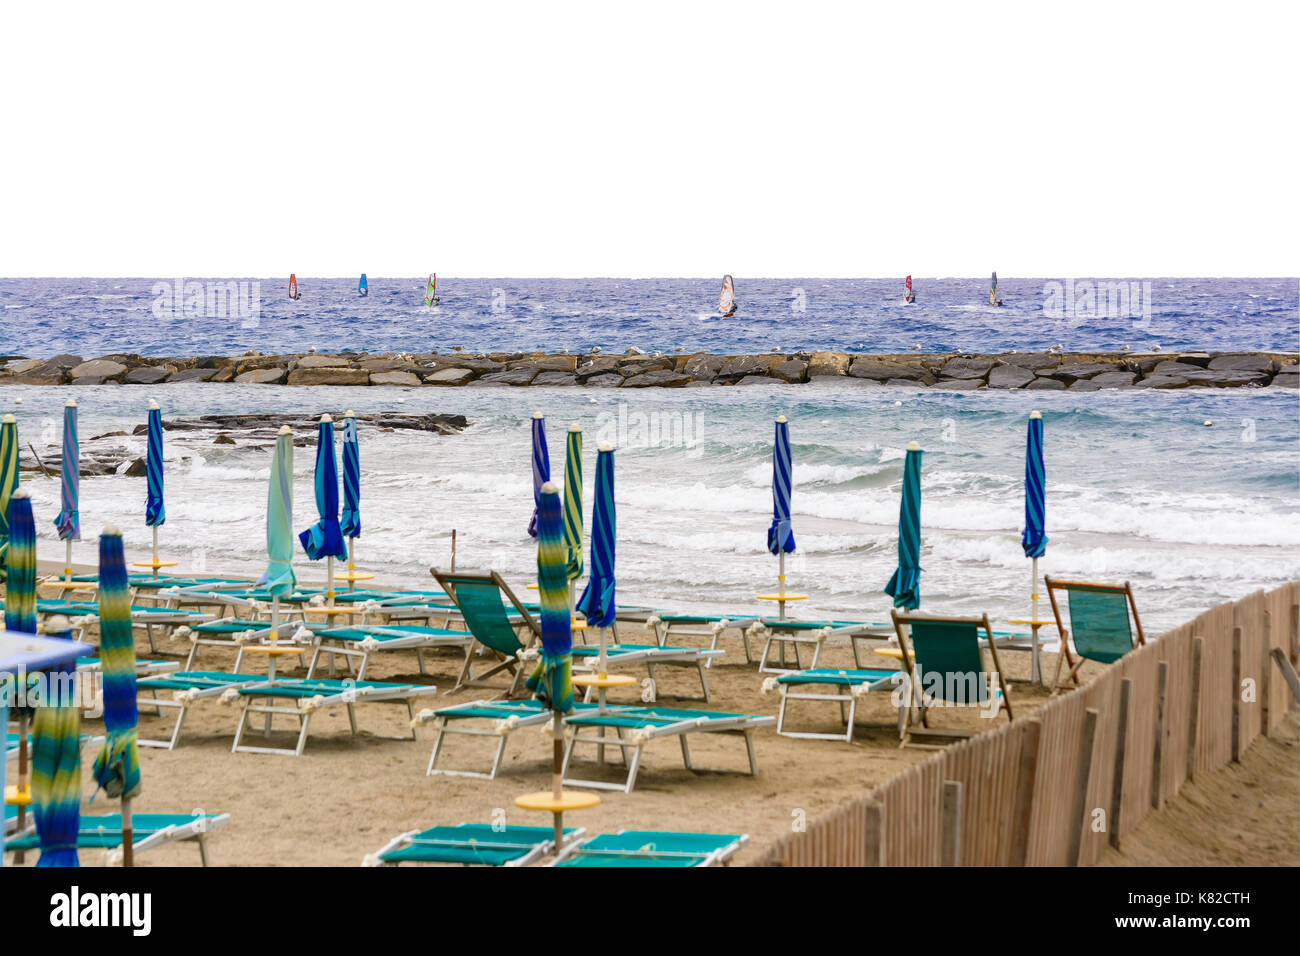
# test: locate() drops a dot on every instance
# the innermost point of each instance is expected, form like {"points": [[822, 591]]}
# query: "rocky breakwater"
{"points": [[1034, 371]]}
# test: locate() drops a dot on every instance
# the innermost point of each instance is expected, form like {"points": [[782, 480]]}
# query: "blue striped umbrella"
{"points": [[1034, 537], [279, 578], [905, 585], [69, 520], [552, 681], [117, 767], [324, 539], [573, 503], [597, 601], [780, 535], [541, 467], [8, 478], [155, 513], [350, 526]]}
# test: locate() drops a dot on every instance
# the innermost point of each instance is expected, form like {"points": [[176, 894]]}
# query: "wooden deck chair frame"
{"points": [[916, 697], [1058, 584], [511, 664]]}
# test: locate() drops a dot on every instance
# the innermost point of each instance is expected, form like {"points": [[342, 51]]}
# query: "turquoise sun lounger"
{"points": [[587, 656], [148, 830], [473, 844], [361, 641], [845, 687], [667, 624], [503, 718], [653, 848], [184, 688]]}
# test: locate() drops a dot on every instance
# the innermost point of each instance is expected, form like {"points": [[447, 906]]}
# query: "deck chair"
{"points": [[358, 643], [667, 624], [845, 686], [473, 844], [478, 596], [638, 726], [148, 830], [503, 717], [1099, 625], [653, 848], [185, 688], [305, 697], [945, 666]]}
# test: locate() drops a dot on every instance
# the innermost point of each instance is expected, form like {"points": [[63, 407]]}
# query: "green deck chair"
{"points": [[478, 595], [946, 666], [1099, 625]]}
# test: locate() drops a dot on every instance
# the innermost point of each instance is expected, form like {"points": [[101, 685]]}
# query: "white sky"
{"points": [[664, 139]]}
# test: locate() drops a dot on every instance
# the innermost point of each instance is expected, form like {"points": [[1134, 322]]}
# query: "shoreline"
{"points": [[1029, 371]]}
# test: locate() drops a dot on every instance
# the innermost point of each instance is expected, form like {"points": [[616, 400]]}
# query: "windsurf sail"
{"points": [[727, 298], [908, 294], [362, 288], [431, 290], [293, 286], [994, 299]]}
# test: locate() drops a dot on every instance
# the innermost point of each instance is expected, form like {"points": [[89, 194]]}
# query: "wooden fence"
{"points": [[1083, 770]]}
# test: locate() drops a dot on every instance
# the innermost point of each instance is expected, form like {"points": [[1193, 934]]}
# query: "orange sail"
{"points": [[293, 285]]}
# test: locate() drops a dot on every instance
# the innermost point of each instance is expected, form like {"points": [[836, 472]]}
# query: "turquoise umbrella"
{"points": [[117, 768], [69, 520], [8, 478], [324, 539], [279, 578], [350, 523], [905, 585]]}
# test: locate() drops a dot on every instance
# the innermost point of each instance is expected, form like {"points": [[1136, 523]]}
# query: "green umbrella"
{"points": [[8, 480], [573, 503]]}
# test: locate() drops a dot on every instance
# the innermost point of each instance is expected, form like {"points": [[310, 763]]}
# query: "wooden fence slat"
{"points": [[1121, 739], [1079, 816]]}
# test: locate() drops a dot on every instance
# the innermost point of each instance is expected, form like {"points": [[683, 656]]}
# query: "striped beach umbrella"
{"points": [[597, 600], [20, 586], [573, 503], [780, 535], [8, 478], [552, 681], [69, 520], [350, 525], [117, 768], [1034, 537], [155, 513], [541, 467], [56, 767], [905, 585], [324, 539], [279, 578]]}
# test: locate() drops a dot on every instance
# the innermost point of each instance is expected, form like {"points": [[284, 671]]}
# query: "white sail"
{"points": [[727, 298]]}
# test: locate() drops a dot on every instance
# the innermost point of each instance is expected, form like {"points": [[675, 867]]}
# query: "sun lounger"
{"points": [[653, 848], [148, 830], [185, 687], [845, 686], [637, 726], [943, 658], [503, 716], [651, 655], [308, 696], [473, 844], [1099, 629], [232, 632], [814, 634], [667, 624], [360, 642]]}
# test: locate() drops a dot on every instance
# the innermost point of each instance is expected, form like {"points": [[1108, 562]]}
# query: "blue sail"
{"points": [[362, 288]]}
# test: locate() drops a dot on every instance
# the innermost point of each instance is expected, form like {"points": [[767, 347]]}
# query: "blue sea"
{"points": [[1139, 487], [43, 317]]}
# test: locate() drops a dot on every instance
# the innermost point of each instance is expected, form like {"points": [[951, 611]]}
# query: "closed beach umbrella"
{"points": [[117, 768], [350, 525], [56, 768], [552, 680], [8, 478], [1034, 538], [279, 578], [541, 467], [69, 520], [597, 600], [324, 539], [905, 586], [154, 511], [780, 534], [573, 503], [20, 585]]}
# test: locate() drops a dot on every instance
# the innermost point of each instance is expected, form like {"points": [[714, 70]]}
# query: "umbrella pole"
{"points": [[155, 551], [128, 834], [23, 785], [329, 580], [67, 560], [557, 773], [453, 550], [780, 583], [1035, 668], [270, 658], [352, 564]]}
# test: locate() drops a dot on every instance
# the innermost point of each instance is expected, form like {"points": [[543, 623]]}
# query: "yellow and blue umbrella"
{"points": [[20, 586], [350, 525], [69, 520], [905, 585], [117, 768], [780, 534], [279, 578], [541, 467], [552, 681], [324, 539], [573, 503], [597, 601], [8, 478]]}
